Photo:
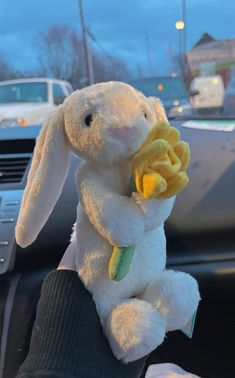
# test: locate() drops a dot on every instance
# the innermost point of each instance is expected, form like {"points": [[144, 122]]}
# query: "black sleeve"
{"points": [[67, 339]]}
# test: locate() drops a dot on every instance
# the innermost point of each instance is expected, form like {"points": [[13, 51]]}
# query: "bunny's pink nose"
{"points": [[123, 133]]}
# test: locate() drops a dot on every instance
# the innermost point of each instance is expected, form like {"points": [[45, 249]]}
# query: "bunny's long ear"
{"points": [[158, 108], [45, 180]]}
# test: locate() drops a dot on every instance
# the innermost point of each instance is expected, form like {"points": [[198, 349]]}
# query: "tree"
{"points": [[6, 71], [61, 55], [109, 68]]}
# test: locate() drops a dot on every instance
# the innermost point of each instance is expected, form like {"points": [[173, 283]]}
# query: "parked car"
{"points": [[30, 101], [171, 91], [209, 93]]}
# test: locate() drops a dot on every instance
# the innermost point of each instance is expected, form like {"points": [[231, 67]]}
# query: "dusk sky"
{"points": [[119, 25]]}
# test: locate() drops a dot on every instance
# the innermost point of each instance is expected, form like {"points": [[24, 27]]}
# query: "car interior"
{"points": [[200, 237]]}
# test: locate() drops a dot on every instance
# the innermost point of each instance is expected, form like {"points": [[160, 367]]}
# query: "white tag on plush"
{"points": [[189, 327]]}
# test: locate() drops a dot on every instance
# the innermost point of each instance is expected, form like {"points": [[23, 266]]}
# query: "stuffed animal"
{"points": [[105, 125]]}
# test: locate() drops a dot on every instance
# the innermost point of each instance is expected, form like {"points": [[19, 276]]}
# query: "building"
{"points": [[210, 56]]}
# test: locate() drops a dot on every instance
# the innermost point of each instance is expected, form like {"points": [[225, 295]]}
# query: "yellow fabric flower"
{"points": [[160, 164]]}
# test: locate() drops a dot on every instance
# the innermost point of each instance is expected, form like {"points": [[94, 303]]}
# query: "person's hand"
{"points": [[86, 334], [68, 260], [168, 370]]}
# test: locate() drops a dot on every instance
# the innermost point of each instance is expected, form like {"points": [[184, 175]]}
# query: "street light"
{"points": [[180, 25]]}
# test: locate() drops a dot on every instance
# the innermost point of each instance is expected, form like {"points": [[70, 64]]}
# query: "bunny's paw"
{"points": [[176, 296], [134, 329]]}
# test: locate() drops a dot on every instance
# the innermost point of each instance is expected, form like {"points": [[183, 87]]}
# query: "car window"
{"points": [[23, 92], [58, 94], [57, 91], [159, 50]]}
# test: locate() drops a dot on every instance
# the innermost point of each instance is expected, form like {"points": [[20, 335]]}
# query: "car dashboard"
{"points": [[200, 240]]}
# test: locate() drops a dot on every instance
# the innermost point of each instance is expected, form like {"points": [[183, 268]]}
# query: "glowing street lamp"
{"points": [[179, 25], [181, 28]]}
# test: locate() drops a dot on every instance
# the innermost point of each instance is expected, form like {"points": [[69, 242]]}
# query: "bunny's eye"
{"points": [[145, 115], [88, 120]]}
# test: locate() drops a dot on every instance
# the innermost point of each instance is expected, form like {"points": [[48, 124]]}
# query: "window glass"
{"points": [[183, 53], [57, 91], [23, 92]]}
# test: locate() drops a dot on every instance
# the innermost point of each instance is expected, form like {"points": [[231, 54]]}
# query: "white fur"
{"points": [[106, 216], [134, 328]]}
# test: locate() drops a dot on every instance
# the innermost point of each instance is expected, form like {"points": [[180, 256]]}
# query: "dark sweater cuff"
{"points": [[67, 339]]}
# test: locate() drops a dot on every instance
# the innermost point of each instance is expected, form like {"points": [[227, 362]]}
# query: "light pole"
{"points": [[87, 52], [179, 25]]}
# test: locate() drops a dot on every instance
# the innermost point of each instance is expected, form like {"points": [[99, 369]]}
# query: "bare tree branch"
{"points": [[6, 71], [61, 55]]}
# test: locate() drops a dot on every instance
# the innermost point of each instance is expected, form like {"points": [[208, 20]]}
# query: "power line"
{"points": [[100, 46], [88, 57]]}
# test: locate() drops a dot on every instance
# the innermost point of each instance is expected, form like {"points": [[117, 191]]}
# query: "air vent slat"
{"points": [[15, 173], [4, 162], [12, 169], [9, 180]]}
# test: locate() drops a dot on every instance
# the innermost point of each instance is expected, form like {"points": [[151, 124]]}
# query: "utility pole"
{"points": [[87, 52], [148, 54], [139, 71]]}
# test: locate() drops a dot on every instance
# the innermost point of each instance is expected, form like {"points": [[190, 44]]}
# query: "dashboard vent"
{"points": [[13, 169]]}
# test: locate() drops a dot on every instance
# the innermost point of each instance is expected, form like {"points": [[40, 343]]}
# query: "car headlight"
{"points": [[21, 121], [12, 122]]}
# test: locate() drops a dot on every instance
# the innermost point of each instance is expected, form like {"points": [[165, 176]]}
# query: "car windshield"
{"points": [[182, 52], [23, 92]]}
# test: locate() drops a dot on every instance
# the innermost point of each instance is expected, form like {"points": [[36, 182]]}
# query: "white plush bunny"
{"points": [[105, 124]]}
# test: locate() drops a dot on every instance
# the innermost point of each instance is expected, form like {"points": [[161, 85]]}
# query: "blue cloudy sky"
{"points": [[119, 25]]}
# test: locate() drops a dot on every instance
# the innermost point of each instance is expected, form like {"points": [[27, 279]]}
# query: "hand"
{"points": [[123, 220], [85, 332], [156, 211], [168, 370]]}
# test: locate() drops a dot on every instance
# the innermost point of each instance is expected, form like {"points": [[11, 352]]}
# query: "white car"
{"points": [[209, 92], [26, 102]]}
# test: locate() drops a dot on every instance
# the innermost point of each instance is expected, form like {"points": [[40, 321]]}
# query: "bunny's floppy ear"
{"points": [[158, 109], [45, 180]]}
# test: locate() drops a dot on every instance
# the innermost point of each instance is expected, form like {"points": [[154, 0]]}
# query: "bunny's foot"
{"points": [[175, 295], [134, 328]]}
